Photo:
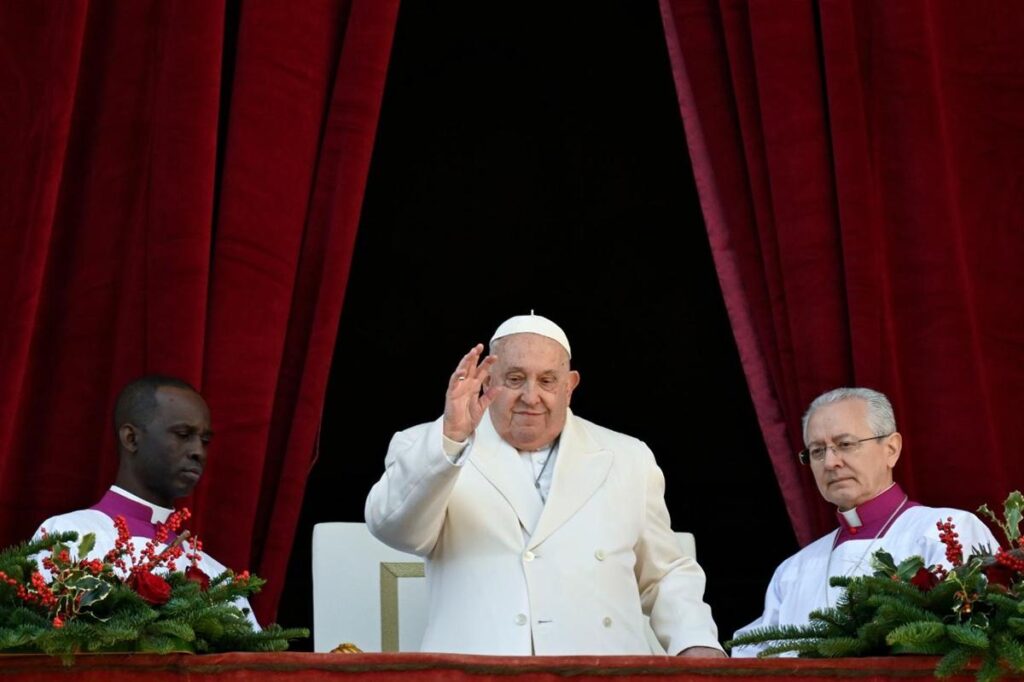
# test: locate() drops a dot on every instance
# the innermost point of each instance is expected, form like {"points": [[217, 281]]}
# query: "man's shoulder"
{"points": [[605, 437], [415, 432], [794, 563], [923, 521], [81, 521]]}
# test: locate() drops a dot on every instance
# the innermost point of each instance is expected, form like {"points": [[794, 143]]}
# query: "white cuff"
{"points": [[453, 449]]}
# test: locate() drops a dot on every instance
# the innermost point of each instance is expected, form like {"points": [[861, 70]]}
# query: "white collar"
{"points": [[852, 518]]}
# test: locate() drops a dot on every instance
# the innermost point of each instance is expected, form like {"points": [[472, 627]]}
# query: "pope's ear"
{"points": [[128, 437], [574, 380]]}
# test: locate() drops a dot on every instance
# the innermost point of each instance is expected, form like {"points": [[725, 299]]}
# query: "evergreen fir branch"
{"points": [[21, 616], [171, 628], [1015, 624], [776, 633], [908, 593], [1010, 650], [893, 609], [18, 637], [840, 581], [162, 644], [843, 647], [874, 632], [805, 648], [937, 648], [1003, 602], [916, 633], [955, 661], [834, 622], [990, 669], [208, 627], [968, 635]]}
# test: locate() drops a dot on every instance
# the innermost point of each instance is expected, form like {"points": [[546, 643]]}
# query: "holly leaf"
{"points": [[883, 563], [86, 545], [1012, 511], [909, 567], [93, 590]]}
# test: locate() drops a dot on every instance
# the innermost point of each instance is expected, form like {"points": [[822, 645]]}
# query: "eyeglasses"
{"points": [[844, 447]]}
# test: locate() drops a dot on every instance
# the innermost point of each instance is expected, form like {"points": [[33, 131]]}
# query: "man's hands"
{"points": [[464, 404]]}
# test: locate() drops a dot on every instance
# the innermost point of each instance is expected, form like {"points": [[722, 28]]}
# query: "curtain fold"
{"points": [[858, 168], [116, 261]]}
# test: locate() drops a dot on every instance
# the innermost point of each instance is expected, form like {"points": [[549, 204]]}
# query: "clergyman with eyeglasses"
{"points": [[852, 446], [542, 533]]}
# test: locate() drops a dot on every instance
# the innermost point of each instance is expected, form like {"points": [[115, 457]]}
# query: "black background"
{"points": [[533, 157]]}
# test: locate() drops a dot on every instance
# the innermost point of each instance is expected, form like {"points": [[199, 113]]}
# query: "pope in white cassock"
{"points": [[542, 532], [163, 431], [852, 446]]}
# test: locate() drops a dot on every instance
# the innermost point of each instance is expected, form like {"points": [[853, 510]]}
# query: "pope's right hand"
{"points": [[464, 403]]}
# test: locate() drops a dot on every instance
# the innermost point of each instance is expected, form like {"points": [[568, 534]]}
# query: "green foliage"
{"points": [[1013, 511], [917, 633], [968, 635], [1009, 650], [842, 647], [111, 616], [961, 618], [955, 660]]}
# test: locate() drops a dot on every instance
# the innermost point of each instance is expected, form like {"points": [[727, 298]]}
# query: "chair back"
{"points": [[364, 592]]}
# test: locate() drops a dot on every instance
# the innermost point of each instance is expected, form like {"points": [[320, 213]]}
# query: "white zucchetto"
{"points": [[532, 324]]}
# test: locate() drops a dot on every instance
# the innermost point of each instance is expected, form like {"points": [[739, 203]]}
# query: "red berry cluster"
{"points": [[123, 546], [948, 536], [123, 554], [40, 593], [1012, 559]]}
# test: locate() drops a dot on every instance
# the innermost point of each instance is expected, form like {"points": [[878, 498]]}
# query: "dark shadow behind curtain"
{"points": [[115, 262], [859, 168]]}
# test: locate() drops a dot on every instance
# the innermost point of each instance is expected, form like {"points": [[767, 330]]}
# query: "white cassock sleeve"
{"points": [[406, 507]]}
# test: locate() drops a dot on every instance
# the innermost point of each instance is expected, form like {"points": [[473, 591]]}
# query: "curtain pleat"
{"points": [[858, 168]]}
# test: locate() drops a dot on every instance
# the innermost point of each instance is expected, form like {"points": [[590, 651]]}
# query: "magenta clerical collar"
{"points": [[876, 515], [138, 515]]}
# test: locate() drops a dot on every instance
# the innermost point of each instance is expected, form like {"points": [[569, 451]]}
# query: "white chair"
{"points": [[375, 597], [360, 586]]}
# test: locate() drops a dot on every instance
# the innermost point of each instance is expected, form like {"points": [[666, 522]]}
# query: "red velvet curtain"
{"points": [[115, 261], [859, 165]]}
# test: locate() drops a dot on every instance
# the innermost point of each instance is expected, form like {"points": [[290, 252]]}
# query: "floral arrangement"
{"points": [[972, 611], [128, 601]]}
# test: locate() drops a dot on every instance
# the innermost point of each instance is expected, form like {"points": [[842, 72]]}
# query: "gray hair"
{"points": [[497, 344], [881, 418]]}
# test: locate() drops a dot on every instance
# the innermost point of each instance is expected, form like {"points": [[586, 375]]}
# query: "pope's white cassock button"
{"points": [[528, 556], [521, 619], [607, 622], [599, 555]]}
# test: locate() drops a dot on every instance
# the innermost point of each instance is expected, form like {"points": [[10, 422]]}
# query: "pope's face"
{"points": [[534, 372], [852, 479]]}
